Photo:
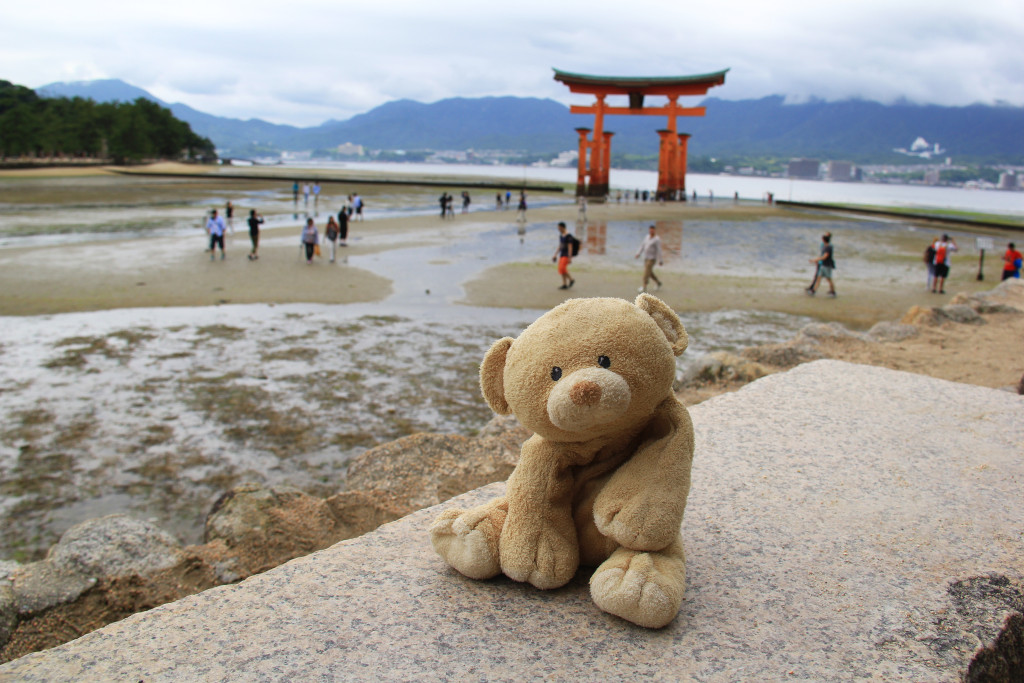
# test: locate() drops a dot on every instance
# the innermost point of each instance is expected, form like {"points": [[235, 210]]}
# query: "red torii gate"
{"points": [[672, 150]]}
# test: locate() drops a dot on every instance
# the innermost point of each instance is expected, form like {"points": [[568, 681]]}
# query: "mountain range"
{"points": [[856, 130]]}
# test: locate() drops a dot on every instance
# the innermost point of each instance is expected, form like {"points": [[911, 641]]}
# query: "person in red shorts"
{"points": [[563, 256], [1011, 265]]}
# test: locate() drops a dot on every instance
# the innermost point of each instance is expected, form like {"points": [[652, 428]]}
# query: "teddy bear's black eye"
{"points": [[556, 373], [604, 361]]}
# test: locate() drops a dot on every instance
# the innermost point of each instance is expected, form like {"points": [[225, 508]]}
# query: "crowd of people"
{"points": [[936, 256]]}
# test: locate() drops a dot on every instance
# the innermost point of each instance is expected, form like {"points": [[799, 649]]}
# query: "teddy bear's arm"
{"points": [[641, 506], [538, 541]]}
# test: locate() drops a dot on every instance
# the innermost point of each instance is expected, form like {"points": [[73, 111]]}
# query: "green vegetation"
{"points": [[1000, 219], [37, 127]]}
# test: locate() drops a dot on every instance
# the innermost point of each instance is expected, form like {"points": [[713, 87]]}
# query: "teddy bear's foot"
{"points": [[643, 587], [468, 541]]}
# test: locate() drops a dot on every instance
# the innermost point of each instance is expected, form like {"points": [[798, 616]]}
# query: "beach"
{"points": [[141, 376]]}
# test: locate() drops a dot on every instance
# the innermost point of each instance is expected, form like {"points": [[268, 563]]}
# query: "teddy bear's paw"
{"points": [[546, 559], [467, 542], [635, 525], [644, 588]]}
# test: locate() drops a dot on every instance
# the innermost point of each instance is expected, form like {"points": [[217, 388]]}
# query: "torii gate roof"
{"points": [[651, 85]]}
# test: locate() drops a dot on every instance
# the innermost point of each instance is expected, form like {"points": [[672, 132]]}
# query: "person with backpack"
{"points": [[651, 249], [1012, 262], [563, 255], [943, 248]]}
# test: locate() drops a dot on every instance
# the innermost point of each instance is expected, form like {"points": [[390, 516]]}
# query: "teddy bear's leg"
{"points": [[643, 587], [468, 539], [595, 547]]}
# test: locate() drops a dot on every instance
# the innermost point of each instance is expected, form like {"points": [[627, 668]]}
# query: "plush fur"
{"points": [[603, 480]]}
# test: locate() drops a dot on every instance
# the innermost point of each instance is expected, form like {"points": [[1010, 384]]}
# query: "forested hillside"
{"points": [[75, 127]]}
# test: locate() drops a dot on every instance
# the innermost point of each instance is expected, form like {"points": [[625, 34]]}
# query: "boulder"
{"points": [[829, 331], [115, 545], [721, 366], [961, 313], [262, 527], [8, 612], [888, 331], [38, 586], [922, 316], [422, 470], [787, 355]]}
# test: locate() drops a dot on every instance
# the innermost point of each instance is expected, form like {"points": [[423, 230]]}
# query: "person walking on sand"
{"points": [[295, 192], [943, 248], [215, 226], [305, 193], [331, 233], [825, 264], [343, 217], [929, 261], [1012, 262], [316, 196], [310, 238], [357, 206], [255, 220], [229, 213], [521, 210], [651, 249], [563, 256]]}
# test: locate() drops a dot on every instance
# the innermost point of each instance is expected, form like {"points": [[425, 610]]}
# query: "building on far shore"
{"points": [[804, 168], [1008, 181], [842, 171], [349, 149]]}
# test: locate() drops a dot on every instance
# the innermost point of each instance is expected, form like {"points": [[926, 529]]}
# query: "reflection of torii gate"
{"points": [[672, 151]]}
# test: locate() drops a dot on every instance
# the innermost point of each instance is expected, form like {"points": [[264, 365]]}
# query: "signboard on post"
{"points": [[983, 243]]}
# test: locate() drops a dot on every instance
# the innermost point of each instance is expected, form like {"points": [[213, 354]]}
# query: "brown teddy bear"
{"points": [[604, 478]]}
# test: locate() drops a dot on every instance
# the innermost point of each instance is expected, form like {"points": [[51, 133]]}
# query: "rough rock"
{"points": [[38, 586], [425, 469], [262, 527], [115, 545], [888, 331], [961, 313], [829, 331], [721, 366], [986, 302], [786, 355], [8, 611], [922, 316], [8, 567]]}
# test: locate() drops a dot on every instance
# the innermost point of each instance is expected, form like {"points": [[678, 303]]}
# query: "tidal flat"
{"points": [[137, 375]]}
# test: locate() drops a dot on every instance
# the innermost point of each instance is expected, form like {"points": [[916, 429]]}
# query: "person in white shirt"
{"points": [[215, 226], [651, 249]]}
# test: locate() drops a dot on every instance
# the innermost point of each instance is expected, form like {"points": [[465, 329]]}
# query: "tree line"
{"points": [[40, 127]]}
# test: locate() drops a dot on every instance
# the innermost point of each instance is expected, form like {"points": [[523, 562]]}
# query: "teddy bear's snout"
{"points": [[585, 393], [587, 399]]}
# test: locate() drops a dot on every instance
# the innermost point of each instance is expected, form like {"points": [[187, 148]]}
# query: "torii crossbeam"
{"points": [[595, 151]]}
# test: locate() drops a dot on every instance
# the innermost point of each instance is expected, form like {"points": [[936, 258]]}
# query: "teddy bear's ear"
{"points": [[667, 320], [492, 376]]}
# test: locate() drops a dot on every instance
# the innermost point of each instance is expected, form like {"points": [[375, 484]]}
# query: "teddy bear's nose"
{"points": [[585, 393]]}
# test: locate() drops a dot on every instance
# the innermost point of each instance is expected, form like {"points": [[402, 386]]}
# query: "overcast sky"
{"points": [[305, 61]]}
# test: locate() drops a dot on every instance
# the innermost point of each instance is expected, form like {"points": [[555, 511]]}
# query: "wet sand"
{"points": [[175, 271]]}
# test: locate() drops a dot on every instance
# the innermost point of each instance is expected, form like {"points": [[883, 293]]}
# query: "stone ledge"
{"points": [[846, 521]]}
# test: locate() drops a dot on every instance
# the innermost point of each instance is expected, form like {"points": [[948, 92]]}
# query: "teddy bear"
{"points": [[604, 478]]}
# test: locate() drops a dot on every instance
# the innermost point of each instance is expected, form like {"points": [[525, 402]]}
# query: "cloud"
{"points": [[310, 60]]}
